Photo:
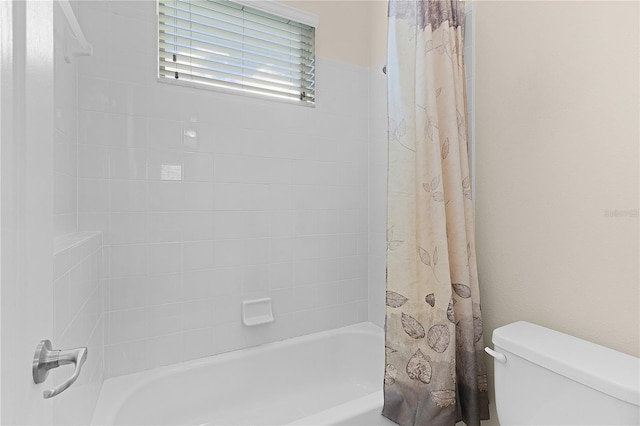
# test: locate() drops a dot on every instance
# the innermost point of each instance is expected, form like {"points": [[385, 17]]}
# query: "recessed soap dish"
{"points": [[256, 311]]}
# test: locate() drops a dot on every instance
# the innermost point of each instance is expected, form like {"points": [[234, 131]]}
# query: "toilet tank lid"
{"points": [[601, 368]]}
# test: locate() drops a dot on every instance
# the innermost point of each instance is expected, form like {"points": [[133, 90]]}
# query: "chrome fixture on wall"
{"points": [[46, 359], [75, 43]]}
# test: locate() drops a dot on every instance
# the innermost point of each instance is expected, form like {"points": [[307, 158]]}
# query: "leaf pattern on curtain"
{"points": [[434, 370]]}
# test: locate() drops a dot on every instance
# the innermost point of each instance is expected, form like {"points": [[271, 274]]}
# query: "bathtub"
{"points": [[328, 378]]}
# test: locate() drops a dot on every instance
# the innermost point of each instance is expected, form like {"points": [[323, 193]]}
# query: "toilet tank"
{"points": [[551, 378]]}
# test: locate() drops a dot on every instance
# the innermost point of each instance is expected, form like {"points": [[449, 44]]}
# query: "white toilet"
{"points": [[543, 377]]}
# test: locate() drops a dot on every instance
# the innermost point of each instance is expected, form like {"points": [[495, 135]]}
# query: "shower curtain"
{"points": [[434, 370]]}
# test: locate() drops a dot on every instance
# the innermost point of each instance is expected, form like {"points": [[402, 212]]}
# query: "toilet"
{"points": [[544, 377]]}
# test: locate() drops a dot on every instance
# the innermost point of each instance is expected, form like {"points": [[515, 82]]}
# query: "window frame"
{"points": [[273, 7]]}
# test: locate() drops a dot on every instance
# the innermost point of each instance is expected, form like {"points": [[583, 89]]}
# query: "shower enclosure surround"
{"points": [[78, 272], [78, 321], [206, 199]]}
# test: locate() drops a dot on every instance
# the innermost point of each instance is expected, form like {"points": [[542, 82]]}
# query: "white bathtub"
{"points": [[328, 378]]}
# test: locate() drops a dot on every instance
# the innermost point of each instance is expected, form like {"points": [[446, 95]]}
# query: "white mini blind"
{"points": [[223, 44]]}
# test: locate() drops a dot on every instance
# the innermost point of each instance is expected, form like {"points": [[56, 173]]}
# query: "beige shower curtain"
{"points": [[435, 372]]}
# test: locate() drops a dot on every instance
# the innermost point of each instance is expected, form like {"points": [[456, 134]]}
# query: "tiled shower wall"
{"points": [[65, 161], [207, 199], [377, 193], [78, 321], [77, 257]]}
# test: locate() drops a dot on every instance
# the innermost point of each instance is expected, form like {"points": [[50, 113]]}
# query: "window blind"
{"points": [[223, 44]]}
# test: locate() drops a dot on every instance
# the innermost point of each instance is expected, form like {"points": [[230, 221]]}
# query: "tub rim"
{"points": [[111, 398]]}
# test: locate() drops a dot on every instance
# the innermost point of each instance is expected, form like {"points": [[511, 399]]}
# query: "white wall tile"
{"points": [[227, 281], [327, 294], [198, 166], [347, 245], [229, 196], [262, 196], [98, 221], [280, 275], [304, 297], [165, 164], [220, 138], [198, 343], [377, 191], [65, 223], [93, 162], [94, 94], [217, 198], [127, 228], [127, 260], [198, 314], [327, 246], [78, 319], [198, 195], [255, 279], [128, 98], [130, 324], [108, 129], [256, 251], [227, 309], [279, 197], [127, 163], [78, 288], [347, 314], [197, 255], [93, 195], [197, 225], [304, 322], [125, 358], [127, 293], [228, 337], [65, 189], [165, 196], [281, 224], [62, 315], [281, 249], [130, 131], [165, 288], [229, 252], [306, 222], [327, 270], [283, 302], [127, 195], [305, 247], [164, 319], [305, 272], [165, 226], [327, 318], [201, 284], [165, 350], [164, 258], [67, 144], [164, 134]]}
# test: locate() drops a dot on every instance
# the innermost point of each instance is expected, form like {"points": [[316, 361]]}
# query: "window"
{"points": [[224, 44]]}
